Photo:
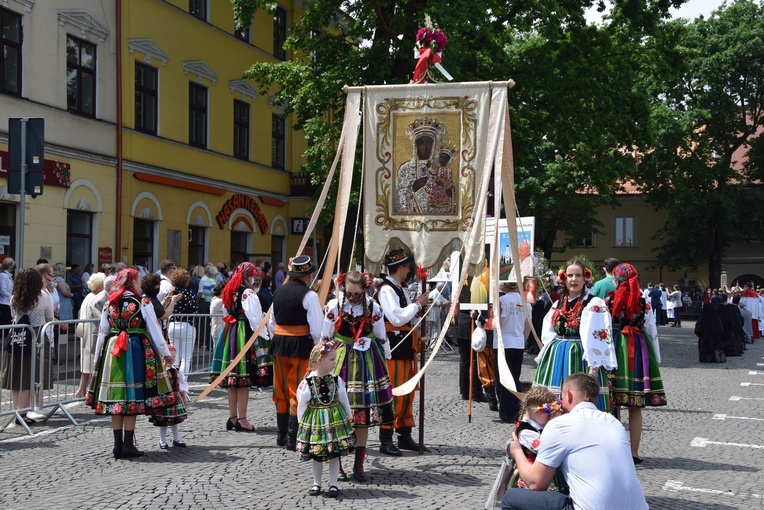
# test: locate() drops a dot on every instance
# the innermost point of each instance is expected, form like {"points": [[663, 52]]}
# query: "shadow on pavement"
{"points": [[657, 503], [684, 464]]}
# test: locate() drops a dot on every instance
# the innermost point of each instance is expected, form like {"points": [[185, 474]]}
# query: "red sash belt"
{"points": [[629, 331]]}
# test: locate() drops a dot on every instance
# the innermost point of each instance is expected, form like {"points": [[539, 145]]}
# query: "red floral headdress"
{"points": [[125, 281], [628, 292], [244, 270]]}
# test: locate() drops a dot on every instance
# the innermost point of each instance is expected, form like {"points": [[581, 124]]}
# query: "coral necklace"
{"points": [[571, 315]]}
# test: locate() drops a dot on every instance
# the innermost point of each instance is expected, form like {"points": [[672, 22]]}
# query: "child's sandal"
{"points": [[333, 492], [315, 490]]}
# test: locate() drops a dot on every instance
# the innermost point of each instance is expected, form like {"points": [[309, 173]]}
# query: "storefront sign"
{"points": [[242, 202], [5, 240], [104, 256]]}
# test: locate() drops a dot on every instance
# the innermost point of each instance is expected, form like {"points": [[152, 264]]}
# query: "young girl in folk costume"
{"points": [[243, 316], [539, 406], [637, 380], [325, 430], [173, 415], [129, 378], [356, 323], [577, 336]]}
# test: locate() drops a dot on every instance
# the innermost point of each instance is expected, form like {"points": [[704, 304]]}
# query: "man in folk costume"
{"points": [[295, 326], [398, 312], [750, 301]]}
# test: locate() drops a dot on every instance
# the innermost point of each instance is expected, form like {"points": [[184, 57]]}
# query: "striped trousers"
{"points": [[401, 370], [287, 374]]}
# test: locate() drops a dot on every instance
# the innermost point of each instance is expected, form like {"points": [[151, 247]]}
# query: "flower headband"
{"points": [[550, 407], [329, 346], [562, 275], [367, 280]]}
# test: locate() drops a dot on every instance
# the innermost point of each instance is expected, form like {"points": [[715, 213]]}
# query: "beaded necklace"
{"points": [[570, 315], [324, 394]]}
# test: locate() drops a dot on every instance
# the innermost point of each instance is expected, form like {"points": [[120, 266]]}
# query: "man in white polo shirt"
{"points": [[592, 449]]}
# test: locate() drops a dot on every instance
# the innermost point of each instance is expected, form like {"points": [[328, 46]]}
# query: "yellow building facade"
{"points": [[207, 160], [155, 147]]}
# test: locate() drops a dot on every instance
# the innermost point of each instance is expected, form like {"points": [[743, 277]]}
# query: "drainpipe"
{"points": [[118, 225]]}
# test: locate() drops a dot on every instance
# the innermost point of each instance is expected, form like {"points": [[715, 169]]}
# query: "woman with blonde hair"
{"points": [[91, 308]]}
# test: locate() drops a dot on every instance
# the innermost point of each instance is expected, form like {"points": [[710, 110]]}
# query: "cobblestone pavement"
{"points": [[704, 450]]}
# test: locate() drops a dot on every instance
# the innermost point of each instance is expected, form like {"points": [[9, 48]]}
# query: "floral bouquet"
{"points": [[430, 42]]}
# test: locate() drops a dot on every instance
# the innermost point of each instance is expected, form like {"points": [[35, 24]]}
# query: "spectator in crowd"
{"points": [[85, 277], [604, 286], [74, 281], [106, 268], [150, 286], [66, 297], [222, 272], [279, 276], [654, 295], [591, 448], [27, 298], [197, 272], [676, 298], [217, 311], [166, 267], [92, 308], [181, 329], [204, 295], [6, 290]]}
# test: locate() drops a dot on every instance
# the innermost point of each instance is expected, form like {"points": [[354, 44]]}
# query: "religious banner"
{"points": [[424, 164]]}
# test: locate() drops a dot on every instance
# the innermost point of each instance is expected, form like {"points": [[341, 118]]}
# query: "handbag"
{"points": [[20, 339], [478, 339]]}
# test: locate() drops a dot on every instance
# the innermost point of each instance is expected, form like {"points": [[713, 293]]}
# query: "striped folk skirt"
{"points": [[230, 343], [368, 382], [132, 382], [562, 357], [325, 432], [637, 380]]}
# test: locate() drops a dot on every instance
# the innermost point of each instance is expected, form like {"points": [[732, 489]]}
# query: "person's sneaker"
{"points": [[37, 414]]}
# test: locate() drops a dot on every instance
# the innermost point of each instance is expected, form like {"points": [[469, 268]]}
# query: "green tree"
{"points": [[707, 99], [573, 111]]}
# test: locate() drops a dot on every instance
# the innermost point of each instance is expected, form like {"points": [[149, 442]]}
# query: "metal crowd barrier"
{"points": [[58, 355], [18, 371], [192, 337]]}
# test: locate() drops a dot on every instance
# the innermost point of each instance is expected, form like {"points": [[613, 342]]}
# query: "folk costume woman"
{"points": [[577, 336], [129, 377], [636, 380], [355, 321], [243, 315]]}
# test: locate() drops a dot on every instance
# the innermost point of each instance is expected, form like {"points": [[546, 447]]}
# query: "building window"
{"points": [[278, 148], [79, 237], [279, 33], [240, 247], [198, 9], [587, 242], [240, 129], [8, 229], [242, 33], [80, 76], [196, 245], [197, 115], [146, 98], [624, 232], [143, 241], [10, 52]]}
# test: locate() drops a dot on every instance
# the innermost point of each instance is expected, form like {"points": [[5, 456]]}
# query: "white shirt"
{"points": [[6, 288], [526, 269], [377, 323], [391, 306], [303, 396], [512, 323], [250, 303], [216, 323], [165, 287], [593, 450]]}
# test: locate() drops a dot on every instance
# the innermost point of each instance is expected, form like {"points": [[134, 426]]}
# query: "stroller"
{"points": [[506, 478]]}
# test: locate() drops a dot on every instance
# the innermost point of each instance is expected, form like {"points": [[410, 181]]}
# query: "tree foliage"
{"points": [[707, 97], [575, 108]]}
